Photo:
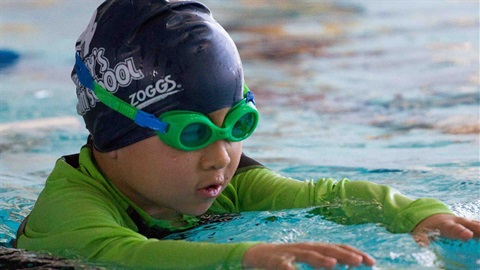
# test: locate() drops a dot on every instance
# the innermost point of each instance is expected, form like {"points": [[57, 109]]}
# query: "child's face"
{"points": [[163, 180]]}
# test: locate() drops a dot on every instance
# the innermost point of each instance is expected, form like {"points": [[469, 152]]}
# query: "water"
{"points": [[386, 91]]}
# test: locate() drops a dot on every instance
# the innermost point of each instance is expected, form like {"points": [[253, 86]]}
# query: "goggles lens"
{"points": [[195, 134], [245, 125]]}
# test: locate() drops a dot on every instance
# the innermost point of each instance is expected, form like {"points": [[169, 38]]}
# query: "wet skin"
{"points": [[164, 181]]}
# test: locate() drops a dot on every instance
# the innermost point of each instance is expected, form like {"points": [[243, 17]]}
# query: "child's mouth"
{"points": [[211, 191]]}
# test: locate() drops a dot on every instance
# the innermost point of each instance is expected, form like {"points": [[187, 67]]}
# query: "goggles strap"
{"points": [[140, 117], [248, 95]]}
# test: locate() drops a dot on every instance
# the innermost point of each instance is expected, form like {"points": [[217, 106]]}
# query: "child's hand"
{"points": [[449, 226], [283, 256]]}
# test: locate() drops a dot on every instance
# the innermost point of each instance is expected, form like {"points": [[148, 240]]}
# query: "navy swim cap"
{"points": [[159, 56]]}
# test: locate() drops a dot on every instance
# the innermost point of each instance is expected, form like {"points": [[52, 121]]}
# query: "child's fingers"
{"points": [[461, 228], [328, 255], [472, 225], [457, 231], [317, 255], [366, 259], [449, 227], [421, 239]]}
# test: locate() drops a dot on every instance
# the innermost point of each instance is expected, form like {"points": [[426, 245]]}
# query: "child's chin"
{"points": [[198, 211]]}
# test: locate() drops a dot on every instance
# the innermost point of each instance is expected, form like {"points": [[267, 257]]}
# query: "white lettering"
{"points": [[172, 83], [159, 86], [91, 97], [101, 59], [82, 105], [155, 99], [86, 98], [161, 89], [90, 63], [110, 81], [122, 74], [141, 95], [134, 72], [150, 91], [132, 100]]}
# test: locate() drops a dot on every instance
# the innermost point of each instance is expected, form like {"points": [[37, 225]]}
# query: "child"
{"points": [[160, 87]]}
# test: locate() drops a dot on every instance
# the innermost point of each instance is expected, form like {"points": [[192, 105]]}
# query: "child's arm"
{"points": [[347, 202]]}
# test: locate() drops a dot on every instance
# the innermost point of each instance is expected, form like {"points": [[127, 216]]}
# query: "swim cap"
{"points": [[158, 56]]}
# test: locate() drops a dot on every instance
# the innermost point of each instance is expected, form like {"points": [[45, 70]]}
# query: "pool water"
{"points": [[386, 91]]}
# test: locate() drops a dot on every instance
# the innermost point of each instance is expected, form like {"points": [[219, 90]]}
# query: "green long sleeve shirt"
{"points": [[80, 213]]}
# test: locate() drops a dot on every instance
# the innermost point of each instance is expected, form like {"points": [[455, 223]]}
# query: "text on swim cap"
{"points": [[154, 92], [121, 75]]}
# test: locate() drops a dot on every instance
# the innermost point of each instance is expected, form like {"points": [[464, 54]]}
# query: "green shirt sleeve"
{"points": [[346, 202]]}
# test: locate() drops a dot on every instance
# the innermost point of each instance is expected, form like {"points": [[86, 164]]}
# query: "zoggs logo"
{"points": [[154, 92]]}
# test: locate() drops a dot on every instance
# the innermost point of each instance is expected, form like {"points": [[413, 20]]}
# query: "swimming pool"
{"points": [[381, 91]]}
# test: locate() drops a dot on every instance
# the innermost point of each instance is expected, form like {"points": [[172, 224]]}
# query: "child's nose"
{"points": [[216, 155]]}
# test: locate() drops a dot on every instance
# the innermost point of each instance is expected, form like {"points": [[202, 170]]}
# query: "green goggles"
{"points": [[183, 130]]}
